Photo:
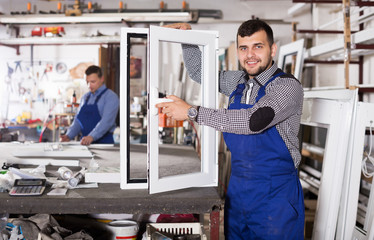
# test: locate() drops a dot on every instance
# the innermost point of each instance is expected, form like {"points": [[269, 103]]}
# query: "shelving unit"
{"points": [[360, 43], [360, 40], [96, 18], [348, 48], [109, 16]]}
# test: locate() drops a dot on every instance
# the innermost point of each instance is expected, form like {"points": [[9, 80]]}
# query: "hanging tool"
{"points": [[10, 70], [162, 6], [89, 6], [18, 65], [28, 7], [184, 5], [59, 7], [120, 6], [74, 12]]}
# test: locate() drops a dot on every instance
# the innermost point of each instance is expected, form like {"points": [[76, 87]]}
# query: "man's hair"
{"points": [[94, 69], [252, 26]]}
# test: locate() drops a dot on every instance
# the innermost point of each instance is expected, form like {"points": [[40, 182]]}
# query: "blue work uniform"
{"points": [[88, 118], [265, 198]]}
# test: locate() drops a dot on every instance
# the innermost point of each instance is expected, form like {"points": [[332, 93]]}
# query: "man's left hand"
{"points": [[177, 109], [87, 140]]}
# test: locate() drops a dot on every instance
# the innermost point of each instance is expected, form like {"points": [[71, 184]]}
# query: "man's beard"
{"points": [[260, 70]]}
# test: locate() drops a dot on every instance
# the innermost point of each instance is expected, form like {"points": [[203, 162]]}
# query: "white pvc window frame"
{"points": [[291, 49], [208, 176], [126, 183], [333, 110], [208, 41], [347, 220]]}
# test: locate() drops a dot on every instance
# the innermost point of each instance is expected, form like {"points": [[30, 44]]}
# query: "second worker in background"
{"points": [[97, 113]]}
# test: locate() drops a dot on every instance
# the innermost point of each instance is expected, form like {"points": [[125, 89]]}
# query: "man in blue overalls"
{"points": [[97, 113], [260, 127]]}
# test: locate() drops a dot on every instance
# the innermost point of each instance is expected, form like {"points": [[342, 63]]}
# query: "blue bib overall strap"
{"points": [[265, 197], [261, 91], [238, 91], [89, 116]]}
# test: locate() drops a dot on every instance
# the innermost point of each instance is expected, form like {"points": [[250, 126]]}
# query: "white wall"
{"points": [[27, 87]]}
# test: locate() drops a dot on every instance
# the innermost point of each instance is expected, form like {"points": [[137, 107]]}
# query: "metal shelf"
{"points": [[126, 16], [187, 16], [364, 36], [60, 40]]}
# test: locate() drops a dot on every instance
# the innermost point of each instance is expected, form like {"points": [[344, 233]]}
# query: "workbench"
{"points": [[109, 198]]}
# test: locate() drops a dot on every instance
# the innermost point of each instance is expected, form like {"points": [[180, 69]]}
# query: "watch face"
{"points": [[192, 113]]}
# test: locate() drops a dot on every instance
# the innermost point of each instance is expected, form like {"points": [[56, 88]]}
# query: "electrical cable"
{"points": [[368, 157], [45, 125]]}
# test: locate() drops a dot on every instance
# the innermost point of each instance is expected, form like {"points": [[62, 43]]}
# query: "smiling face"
{"points": [[94, 82], [255, 54]]}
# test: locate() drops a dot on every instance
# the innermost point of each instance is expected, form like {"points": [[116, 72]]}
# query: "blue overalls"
{"points": [[265, 198], [89, 116]]}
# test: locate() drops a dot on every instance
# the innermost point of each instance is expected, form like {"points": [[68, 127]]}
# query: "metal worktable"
{"points": [[110, 198]]}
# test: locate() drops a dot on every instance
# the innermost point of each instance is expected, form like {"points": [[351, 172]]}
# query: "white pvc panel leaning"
{"points": [[292, 49], [332, 110], [347, 229]]}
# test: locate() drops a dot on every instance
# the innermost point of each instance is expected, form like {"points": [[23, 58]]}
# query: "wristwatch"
{"points": [[192, 113]]}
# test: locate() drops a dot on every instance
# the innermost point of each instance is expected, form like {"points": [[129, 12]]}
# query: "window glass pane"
{"points": [[364, 201], [179, 142], [137, 108], [313, 145], [289, 63]]}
